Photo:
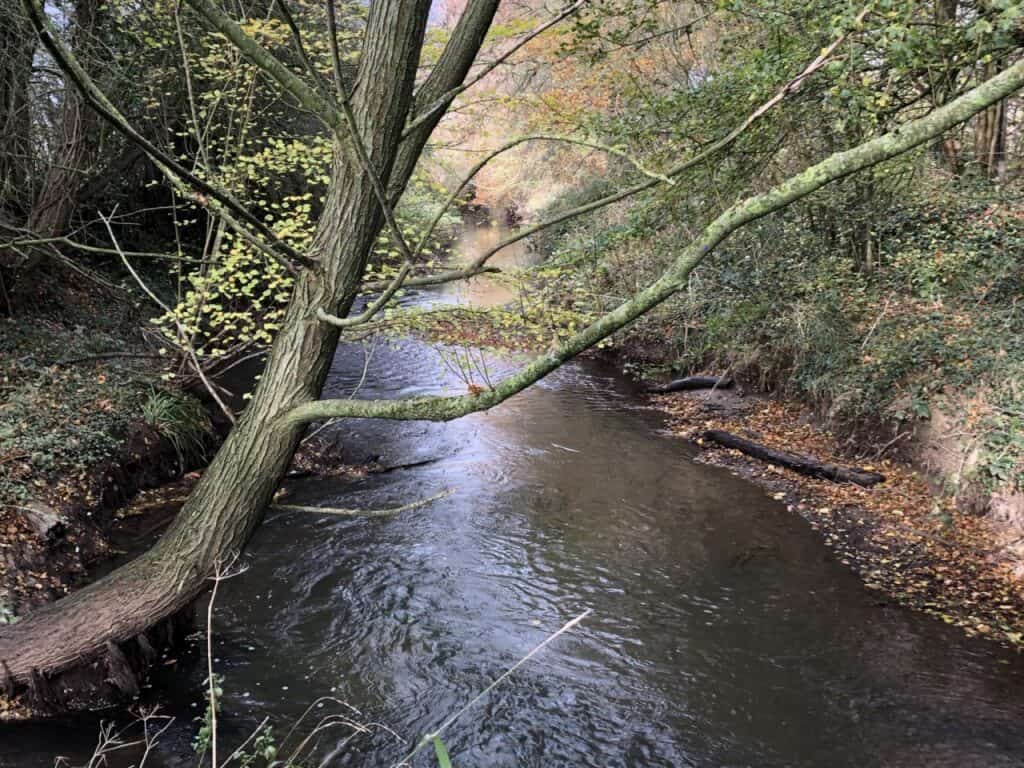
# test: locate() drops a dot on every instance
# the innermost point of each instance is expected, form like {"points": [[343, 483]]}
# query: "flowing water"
{"points": [[722, 632]]}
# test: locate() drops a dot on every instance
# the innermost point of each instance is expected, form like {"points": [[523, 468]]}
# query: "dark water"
{"points": [[721, 633]]}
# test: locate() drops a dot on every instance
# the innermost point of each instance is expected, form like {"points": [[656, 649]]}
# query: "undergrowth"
{"points": [[58, 420], [930, 318], [182, 420]]}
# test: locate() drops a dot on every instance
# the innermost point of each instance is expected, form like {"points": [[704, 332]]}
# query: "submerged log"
{"points": [[693, 382], [802, 464]]}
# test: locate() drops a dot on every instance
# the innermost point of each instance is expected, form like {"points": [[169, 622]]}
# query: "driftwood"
{"points": [[693, 382], [802, 464]]}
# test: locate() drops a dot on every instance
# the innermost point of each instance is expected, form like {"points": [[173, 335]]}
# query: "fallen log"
{"points": [[692, 383], [802, 464]]}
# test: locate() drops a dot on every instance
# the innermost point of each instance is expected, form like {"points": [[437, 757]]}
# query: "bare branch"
{"points": [[450, 70], [347, 512], [435, 735], [80, 246], [300, 49], [332, 36], [389, 216], [376, 306]]}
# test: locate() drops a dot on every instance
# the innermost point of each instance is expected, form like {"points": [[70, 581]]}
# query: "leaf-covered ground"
{"points": [[75, 380], [899, 536]]}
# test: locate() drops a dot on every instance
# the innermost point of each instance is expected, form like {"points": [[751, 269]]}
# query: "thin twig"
{"points": [[429, 738]]}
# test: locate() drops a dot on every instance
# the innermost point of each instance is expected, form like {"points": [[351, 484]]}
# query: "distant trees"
{"points": [[17, 45]]}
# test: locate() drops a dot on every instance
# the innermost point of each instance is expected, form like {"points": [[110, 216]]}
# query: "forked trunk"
{"points": [[230, 499]]}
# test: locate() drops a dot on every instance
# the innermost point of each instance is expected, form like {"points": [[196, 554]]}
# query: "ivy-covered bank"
{"points": [[86, 420]]}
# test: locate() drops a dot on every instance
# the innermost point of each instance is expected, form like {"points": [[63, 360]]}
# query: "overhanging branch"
{"points": [[188, 184], [833, 168]]}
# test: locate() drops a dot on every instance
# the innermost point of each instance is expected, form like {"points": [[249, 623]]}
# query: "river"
{"points": [[722, 631]]}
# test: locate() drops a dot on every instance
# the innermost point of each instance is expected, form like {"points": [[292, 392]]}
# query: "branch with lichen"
{"points": [[837, 166]]}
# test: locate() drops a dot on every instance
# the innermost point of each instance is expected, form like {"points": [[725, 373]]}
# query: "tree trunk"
{"points": [[17, 46], [74, 133], [691, 383], [990, 136], [945, 149], [230, 499], [802, 464]]}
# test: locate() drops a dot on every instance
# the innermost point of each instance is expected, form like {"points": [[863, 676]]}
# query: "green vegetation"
{"points": [[65, 412], [784, 306], [182, 420], [58, 421]]}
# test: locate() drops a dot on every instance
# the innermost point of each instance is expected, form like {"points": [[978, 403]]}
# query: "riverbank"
{"points": [[910, 543], [86, 422]]}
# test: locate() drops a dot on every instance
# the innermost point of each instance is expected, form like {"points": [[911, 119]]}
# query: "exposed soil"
{"points": [[120, 512], [38, 568], [901, 537]]}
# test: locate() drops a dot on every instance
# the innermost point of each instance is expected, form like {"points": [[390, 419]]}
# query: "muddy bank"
{"points": [[81, 544], [911, 544], [42, 565]]}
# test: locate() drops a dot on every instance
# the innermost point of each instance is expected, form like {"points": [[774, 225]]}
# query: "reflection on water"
{"points": [[495, 290], [722, 633]]}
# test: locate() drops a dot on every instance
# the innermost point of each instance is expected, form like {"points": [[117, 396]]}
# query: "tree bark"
{"points": [[17, 46], [990, 137]]}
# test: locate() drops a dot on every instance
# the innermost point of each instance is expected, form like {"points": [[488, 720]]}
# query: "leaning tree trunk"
{"points": [[230, 499]]}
